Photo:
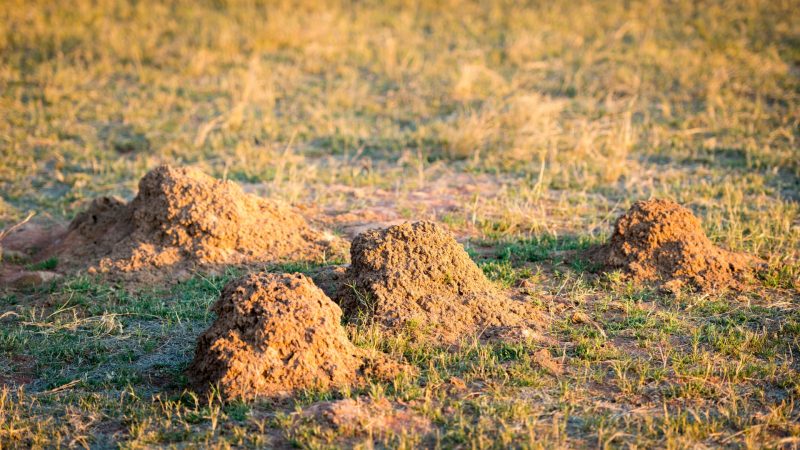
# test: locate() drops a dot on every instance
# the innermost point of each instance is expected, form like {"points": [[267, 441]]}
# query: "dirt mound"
{"points": [[276, 333], [661, 241], [417, 277], [184, 217]]}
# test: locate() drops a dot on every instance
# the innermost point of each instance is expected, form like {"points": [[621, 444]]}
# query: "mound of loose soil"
{"points": [[661, 241], [418, 277], [183, 217], [277, 333]]}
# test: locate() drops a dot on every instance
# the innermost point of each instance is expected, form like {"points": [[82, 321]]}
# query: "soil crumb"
{"points": [[183, 218], [365, 416], [416, 277], [661, 241], [275, 334]]}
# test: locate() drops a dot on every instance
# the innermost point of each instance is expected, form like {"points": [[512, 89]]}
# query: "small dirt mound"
{"points": [[661, 241], [418, 277], [277, 333], [182, 216]]}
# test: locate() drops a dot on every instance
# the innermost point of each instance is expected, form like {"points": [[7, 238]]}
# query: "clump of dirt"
{"points": [[661, 241], [416, 277], [182, 217], [275, 334]]}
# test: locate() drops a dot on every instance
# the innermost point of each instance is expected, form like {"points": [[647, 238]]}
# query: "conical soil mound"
{"points": [[661, 241], [182, 217], [417, 276], [275, 334]]}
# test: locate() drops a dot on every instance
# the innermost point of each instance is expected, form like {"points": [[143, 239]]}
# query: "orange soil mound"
{"points": [[182, 216], [277, 333], [661, 241], [418, 276]]}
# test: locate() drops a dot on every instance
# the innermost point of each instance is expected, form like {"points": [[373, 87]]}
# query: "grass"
{"points": [[710, 370], [527, 127], [47, 264]]}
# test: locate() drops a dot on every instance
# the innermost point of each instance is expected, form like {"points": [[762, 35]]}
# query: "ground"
{"points": [[526, 129]]}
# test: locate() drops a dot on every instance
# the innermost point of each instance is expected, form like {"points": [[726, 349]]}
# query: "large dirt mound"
{"points": [[417, 276], [277, 333], [181, 216], [661, 241]]}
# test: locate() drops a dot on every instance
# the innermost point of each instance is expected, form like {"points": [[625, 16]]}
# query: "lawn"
{"points": [[524, 127]]}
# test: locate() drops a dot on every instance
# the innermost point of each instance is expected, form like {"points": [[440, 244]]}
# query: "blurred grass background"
{"points": [[587, 102]]}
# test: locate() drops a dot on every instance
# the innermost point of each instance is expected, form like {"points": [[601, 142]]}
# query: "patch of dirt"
{"points": [[661, 241], [354, 222], [365, 416], [275, 334], [548, 363], [22, 279], [29, 239], [17, 370], [417, 277], [182, 218], [18, 246], [352, 210]]}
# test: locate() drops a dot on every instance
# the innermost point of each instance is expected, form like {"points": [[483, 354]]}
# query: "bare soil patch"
{"points": [[275, 334], [417, 277], [376, 417], [182, 218], [19, 246], [661, 241]]}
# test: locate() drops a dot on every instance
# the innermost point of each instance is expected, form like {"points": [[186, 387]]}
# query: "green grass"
{"points": [[48, 264], [527, 127]]}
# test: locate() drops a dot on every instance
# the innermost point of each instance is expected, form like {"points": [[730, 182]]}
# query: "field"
{"points": [[526, 128]]}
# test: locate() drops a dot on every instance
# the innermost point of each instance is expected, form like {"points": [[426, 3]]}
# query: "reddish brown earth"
{"points": [[661, 241], [19, 246], [416, 277], [182, 218], [275, 334]]}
